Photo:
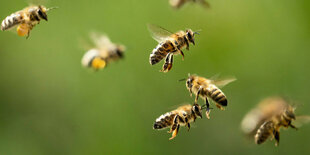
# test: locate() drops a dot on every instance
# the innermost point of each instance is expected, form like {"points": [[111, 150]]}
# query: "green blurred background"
{"points": [[50, 104]]}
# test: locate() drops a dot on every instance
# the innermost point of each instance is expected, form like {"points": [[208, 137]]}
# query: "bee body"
{"points": [[273, 125], [169, 44], [25, 19], [104, 53], [182, 116], [206, 88]]}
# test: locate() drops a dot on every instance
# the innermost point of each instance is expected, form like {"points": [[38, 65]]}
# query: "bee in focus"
{"points": [[169, 45], [207, 88], [179, 3], [104, 52], [25, 19], [268, 117], [182, 116]]}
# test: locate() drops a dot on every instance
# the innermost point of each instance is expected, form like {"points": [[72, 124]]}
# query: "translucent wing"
{"points": [[222, 82], [177, 3], [252, 121], [102, 41], [203, 3], [158, 33], [301, 120]]}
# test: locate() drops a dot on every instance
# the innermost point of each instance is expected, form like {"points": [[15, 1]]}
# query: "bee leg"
{"points": [[175, 132], [208, 108], [175, 122], [293, 126], [175, 127], [181, 52], [188, 126], [168, 63], [186, 121], [30, 28], [194, 116], [276, 137], [219, 106], [197, 95]]}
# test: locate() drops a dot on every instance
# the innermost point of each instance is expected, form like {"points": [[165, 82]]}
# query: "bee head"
{"points": [[190, 35], [197, 110], [42, 12], [189, 82], [289, 114], [120, 50]]}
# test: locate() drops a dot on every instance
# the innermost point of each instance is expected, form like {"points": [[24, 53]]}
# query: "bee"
{"points": [[182, 116], [179, 3], [207, 88], [169, 45], [26, 19], [272, 126], [104, 52], [265, 110], [268, 117]]}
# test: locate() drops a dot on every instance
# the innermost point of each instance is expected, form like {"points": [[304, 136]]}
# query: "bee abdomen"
{"points": [[157, 54], [264, 131], [10, 21], [164, 121], [218, 96]]}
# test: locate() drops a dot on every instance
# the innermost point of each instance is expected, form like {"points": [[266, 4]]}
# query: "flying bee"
{"points": [[179, 3], [265, 110], [25, 19], [207, 88], [182, 116], [268, 117], [169, 45], [104, 52]]}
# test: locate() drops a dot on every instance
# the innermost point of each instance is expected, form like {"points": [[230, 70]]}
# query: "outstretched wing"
{"points": [[222, 82], [301, 120], [102, 41], [203, 3], [158, 33]]}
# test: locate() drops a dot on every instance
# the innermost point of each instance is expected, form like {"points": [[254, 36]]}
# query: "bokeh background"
{"points": [[50, 104]]}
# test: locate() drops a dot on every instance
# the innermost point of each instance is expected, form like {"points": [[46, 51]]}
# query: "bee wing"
{"points": [[158, 33], [251, 121], [176, 3], [204, 3], [102, 41], [222, 82], [301, 120]]}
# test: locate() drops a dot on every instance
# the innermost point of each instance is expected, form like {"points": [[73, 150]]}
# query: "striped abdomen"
{"points": [[164, 121], [160, 51], [217, 95], [263, 132], [11, 21]]}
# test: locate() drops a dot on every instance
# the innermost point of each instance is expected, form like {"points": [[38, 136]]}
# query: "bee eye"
{"points": [[40, 13], [189, 36]]}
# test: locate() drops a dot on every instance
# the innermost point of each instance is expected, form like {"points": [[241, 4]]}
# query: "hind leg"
{"points": [[175, 127], [276, 137], [208, 108], [168, 63]]}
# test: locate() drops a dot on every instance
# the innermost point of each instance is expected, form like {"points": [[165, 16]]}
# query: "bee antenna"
{"points": [[182, 79], [52, 8], [197, 32]]}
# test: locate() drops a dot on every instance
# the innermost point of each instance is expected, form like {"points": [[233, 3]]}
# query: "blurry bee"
{"points": [[104, 52], [169, 45], [268, 117], [179, 3], [207, 88], [265, 110], [182, 116], [25, 19]]}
